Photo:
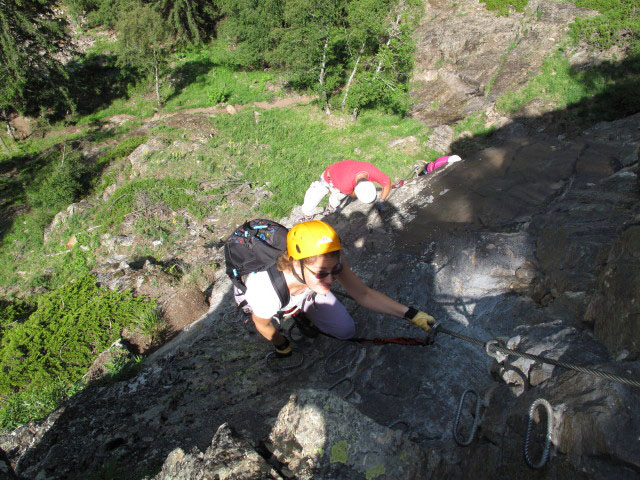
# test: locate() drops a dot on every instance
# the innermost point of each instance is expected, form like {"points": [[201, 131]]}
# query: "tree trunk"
{"points": [[323, 72], [157, 84], [324, 61], [5, 145], [353, 74], [392, 35], [9, 127]]}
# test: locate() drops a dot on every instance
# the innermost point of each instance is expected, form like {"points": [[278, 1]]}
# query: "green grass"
{"points": [[618, 24], [502, 7], [605, 92], [44, 357], [584, 94], [289, 148], [197, 79], [24, 406], [555, 83], [474, 123], [43, 185]]}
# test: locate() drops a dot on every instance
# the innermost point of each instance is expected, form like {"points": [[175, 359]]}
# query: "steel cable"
{"points": [[538, 358]]}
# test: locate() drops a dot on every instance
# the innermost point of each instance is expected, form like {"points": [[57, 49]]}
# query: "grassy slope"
{"points": [[285, 148]]}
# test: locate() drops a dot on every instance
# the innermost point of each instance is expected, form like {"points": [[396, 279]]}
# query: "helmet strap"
{"points": [[295, 274]]}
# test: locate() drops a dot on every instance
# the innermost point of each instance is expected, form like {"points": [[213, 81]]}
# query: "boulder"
{"points": [[318, 435], [229, 457]]}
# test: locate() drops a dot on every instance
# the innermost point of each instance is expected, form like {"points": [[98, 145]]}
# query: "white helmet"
{"points": [[365, 191]]}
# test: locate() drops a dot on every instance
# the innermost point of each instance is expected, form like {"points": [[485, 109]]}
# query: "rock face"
{"points": [[228, 458], [614, 309], [467, 57], [311, 436], [534, 241], [527, 241]]}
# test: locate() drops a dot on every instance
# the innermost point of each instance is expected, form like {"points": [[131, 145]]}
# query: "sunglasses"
{"points": [[320, 275]]}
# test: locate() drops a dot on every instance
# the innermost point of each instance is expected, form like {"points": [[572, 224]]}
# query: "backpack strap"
{"points": [[280, 284]]}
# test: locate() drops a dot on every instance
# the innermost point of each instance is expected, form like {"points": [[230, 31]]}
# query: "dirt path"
{"points": [[230, 109]]}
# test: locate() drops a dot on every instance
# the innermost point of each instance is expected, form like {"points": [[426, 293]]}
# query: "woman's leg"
{"points": [[330, 316], [441, 162], [335, 198], [315, 193]]}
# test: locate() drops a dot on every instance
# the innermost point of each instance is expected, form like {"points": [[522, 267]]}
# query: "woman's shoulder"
{"points": [[257, 279]]}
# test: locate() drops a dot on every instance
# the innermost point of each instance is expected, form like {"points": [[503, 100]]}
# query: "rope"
{"points": [[408, 341], [537, 358], [414, 172], [527, 438]]}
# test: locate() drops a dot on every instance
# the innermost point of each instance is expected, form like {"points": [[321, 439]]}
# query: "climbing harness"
{"points": [[305, 326], [476, 420], [527, 439]]}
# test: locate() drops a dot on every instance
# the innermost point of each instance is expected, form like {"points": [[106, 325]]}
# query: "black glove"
{"points": [[285, 349], [381, 206]]}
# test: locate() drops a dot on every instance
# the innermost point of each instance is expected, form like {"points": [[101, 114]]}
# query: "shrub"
{"points": [[618, 24], [57, 184], [31, 404], [13, 313], [60, 340], [218, 94]]}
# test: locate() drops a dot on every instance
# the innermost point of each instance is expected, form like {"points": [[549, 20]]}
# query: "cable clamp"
{"points": [[499, 357], [431, 336]]}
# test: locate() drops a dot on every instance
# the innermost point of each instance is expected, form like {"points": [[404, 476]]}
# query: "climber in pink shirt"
{"points": [[439, 162], [348, 177]]}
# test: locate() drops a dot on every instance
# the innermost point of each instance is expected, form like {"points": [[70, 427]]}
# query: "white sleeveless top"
{"points": [[263, 298]]}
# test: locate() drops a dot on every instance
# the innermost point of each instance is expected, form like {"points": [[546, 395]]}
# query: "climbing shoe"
{"points": [[284, 350]]}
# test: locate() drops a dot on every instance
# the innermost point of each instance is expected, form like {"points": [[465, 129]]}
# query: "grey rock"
{"points": [[320, 436], [227, 458]]}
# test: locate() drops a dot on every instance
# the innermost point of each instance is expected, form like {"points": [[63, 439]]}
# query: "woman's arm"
{"points": [[368, 297], [385, 191]]}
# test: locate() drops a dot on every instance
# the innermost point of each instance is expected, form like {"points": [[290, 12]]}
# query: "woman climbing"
{"points": [[312, 262]]}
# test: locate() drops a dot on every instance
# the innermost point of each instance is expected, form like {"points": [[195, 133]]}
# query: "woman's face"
{"points": [[324, 266]]}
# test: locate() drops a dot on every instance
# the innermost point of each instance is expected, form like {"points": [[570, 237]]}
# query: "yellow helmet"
{"points": [[308, 239]]}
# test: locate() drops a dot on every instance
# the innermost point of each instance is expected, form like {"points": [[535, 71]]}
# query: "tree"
{"points": [[386, 85], [33, 77], [143, 38], [311, 43], [248, 27], [365, 27], [190, 20]]}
